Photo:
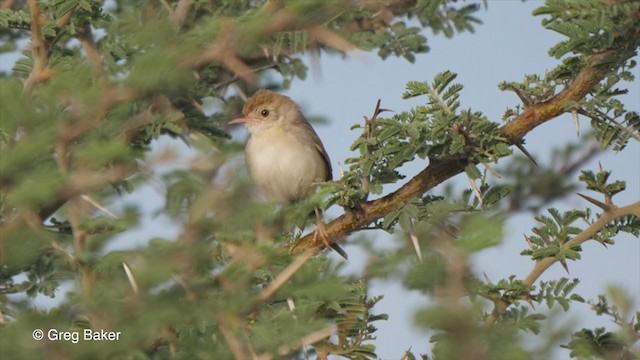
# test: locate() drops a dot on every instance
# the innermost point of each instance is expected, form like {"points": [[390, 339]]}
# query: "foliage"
{"points": [[103, 82]]}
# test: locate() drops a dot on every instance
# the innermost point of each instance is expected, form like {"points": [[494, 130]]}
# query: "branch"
{"points": [[309, 339], [285, 275], [370, 133], [6, 4], [112, 96], [437, 172], [179, 15], [237, 77], [235, 346], [64, 19], [544, 264], [85, 36], [40, 71], [613, 122]]}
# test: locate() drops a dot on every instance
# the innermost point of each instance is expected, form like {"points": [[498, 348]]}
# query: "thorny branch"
{"points": [[438, 172], [588, 234]]}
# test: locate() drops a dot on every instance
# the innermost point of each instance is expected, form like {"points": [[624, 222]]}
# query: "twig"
{"points": [[223, 51], [587, 234], [526, 100], [97, 205], [65, 18], [179, 15], [493, 171], [437, 172], [79, 245], [330, 38], [476, 191], [587, 154], [370, 133], [308, 339], [608, 119], [237, 77], [285, 275], [40, 71], [166, 6], [58, 247], [238, 351], [85, 36]]}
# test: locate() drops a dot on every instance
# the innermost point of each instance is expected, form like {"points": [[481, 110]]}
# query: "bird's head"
{"points": [[266, 109]]}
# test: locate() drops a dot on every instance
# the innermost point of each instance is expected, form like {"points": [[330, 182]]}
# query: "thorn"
{"points": [[476, 191], [531, 245], [132, 280], [340, 251], [526, 153], [493, 171], [576, 122], [414, 239], [377, 109], [487, 278], [523, 97], [341, 169], [595, 202], [291, 304], [529, 300], [91, 201], [542, 235], [564, 265]]}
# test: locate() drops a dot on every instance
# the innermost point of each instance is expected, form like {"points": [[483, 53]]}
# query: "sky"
{"points": [[510, 44]]}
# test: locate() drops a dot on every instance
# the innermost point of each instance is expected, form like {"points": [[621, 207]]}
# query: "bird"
{"points": [[284, 155]]}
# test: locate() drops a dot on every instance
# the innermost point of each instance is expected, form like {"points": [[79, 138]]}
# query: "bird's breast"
{"points": [[284, 167]]}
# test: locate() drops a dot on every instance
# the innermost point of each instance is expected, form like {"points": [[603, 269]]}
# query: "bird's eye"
{"points": [[264, 113]]}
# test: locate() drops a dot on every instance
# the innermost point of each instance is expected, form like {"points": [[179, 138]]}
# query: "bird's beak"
{"points": [[243, 120]]}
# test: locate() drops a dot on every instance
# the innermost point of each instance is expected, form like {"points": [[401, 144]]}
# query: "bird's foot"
{"points": [[321, 232]]}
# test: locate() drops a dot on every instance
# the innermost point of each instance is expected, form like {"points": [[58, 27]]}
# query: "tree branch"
{"points": [[6, 4], [437, 172], [544, 264], [179, 15], [40, 71], [85, 36]]}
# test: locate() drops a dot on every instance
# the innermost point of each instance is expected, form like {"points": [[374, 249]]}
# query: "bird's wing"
{"points": [[303, 132], [317, 143]]}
